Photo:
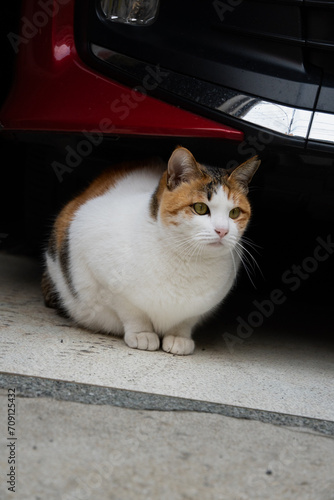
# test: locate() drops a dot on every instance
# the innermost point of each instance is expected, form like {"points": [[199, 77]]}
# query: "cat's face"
{"points": [[204, 207]]}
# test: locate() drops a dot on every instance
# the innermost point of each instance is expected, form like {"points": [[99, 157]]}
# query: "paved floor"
{"points": [[249, 415], [73, 451]]}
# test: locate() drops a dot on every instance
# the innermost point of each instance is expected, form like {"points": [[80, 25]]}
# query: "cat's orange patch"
{"points": [[180, 199]]}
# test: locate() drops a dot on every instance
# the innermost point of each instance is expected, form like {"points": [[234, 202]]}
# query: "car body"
{"points": [[219, 70]]}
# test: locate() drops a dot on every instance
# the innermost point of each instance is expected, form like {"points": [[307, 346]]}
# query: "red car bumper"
{"points": [[53, 90]]}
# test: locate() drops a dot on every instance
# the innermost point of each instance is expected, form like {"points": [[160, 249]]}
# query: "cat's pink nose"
{"points": [[222, 231]]}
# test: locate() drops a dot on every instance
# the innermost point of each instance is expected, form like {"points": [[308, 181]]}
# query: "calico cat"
{"points": [[148, 251]]}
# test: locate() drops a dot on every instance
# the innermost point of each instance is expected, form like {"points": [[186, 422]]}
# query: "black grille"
{"points": [[278, 50]]}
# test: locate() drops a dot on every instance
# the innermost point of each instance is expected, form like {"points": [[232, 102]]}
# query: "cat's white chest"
{"points": [[170, 295]]}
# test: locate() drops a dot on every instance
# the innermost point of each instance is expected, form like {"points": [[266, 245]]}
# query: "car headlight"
{"points": [[136, 12]]}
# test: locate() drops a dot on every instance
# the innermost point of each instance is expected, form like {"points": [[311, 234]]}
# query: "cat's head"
{"points": [[201, 205]]}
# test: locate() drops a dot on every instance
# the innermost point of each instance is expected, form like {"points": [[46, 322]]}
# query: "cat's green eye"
{"points": [[234, 213], [201, 208]]}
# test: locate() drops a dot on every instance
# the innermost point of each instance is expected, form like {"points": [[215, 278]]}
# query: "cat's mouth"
{"points": [[216, 243]]}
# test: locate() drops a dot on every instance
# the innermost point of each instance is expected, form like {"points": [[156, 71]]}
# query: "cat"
{"points": [[148, 251]]}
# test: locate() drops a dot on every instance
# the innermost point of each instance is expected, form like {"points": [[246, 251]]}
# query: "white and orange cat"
{"points": [[148, 251]]}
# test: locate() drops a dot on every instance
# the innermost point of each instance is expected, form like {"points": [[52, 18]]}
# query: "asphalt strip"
{"points": [[37, 387]]}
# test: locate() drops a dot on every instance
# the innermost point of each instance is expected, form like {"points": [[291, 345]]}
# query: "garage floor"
{"points": [[249, 415]]}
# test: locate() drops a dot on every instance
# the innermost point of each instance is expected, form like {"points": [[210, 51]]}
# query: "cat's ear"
{"points": [[182, 167], [243, 174]]}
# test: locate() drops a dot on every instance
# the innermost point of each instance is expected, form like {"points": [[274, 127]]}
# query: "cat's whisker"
{"points": [[249, 257], [187, 247], [248, 261], [251, 244], [245, 264], [196, 251], [235, 267]]}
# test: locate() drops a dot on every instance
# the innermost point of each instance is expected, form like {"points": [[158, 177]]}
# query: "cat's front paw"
{"points": [[147, 341], [178, 345]]}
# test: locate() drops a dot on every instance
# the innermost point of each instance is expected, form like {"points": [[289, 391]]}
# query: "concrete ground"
{"points": [[250, 415]]}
